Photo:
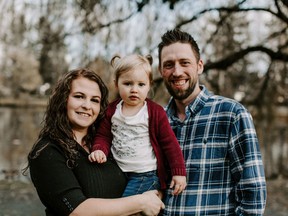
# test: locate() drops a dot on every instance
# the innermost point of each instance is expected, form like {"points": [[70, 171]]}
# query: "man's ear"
{"points": [[200, 67]]}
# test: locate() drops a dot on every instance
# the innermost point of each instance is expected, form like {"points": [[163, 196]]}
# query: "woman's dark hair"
{"points": [[57, 126]]}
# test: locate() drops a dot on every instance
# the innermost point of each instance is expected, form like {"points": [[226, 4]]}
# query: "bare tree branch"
{"points": [[237, 9], [140, 6], [280, 13], [229, 60]]}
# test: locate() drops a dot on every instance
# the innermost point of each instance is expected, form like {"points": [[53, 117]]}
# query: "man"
{"points": [[225, 174]]}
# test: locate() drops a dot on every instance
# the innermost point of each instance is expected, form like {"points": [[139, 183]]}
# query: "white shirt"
{"points": [[131, 146]]}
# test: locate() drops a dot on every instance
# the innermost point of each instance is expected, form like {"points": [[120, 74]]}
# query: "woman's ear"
{"points": [[116, 84]]}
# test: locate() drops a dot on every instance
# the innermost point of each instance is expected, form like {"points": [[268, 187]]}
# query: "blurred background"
{"points": [[244, 45]]}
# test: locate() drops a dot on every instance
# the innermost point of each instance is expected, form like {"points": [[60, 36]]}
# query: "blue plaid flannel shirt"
{"points": [[225, 173]]}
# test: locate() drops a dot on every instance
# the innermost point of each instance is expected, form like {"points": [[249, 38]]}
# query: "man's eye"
{"points": [[185, 63], [168, 65]]}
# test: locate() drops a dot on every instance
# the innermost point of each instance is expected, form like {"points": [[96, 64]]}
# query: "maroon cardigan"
{"points": [[164, 142]]}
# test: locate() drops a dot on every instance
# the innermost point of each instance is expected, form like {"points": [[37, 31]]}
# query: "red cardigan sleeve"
{"points": [[103, 138], [164, 141]]}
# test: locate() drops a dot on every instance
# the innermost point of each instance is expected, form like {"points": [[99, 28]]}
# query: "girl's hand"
{"points": [[97, 156], [179, 183]]}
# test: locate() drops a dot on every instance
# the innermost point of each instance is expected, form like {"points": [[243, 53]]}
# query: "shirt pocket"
{"points": [[207, 152], [208, 160]]}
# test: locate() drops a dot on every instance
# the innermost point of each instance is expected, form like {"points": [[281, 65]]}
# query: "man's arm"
{"points": [[247, 166]]}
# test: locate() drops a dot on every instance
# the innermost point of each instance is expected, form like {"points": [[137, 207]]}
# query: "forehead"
{"points": [[177, 51], [135, 74], [85, 86]]}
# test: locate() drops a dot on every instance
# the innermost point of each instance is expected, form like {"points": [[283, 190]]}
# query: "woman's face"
{"points": [[83, 104]]}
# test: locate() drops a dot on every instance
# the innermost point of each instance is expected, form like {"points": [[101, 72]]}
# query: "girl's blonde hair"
{"points": [[132, 62]]}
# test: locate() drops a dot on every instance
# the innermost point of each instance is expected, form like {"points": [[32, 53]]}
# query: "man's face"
{"points": [[180, 70]]}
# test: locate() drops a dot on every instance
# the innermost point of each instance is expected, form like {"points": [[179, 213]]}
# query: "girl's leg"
{"points": [[141, 182]]}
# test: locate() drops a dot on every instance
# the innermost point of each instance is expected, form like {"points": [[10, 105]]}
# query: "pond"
{"points": [[19, 128]]}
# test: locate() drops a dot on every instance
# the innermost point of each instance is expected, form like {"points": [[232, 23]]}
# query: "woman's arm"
{"points": [[148, 203], [64, 191]]}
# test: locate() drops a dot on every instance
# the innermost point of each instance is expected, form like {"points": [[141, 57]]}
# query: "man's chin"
{"points": [[179, 94]]}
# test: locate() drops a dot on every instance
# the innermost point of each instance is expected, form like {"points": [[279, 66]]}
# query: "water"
{"points": [[19, 128]]}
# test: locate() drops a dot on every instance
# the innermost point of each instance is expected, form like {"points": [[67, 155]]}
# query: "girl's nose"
{"points": [[134, 88]]}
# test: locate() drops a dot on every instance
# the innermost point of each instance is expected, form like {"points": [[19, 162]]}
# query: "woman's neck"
{"points": [[79, 134]]}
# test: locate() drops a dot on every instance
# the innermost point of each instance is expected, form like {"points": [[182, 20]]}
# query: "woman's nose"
{"points": [[86, 104]]}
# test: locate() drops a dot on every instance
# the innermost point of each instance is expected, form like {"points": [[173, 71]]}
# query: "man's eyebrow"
{"points": [[168, 60]]}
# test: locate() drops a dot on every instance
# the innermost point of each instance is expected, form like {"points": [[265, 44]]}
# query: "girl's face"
{"points": [[133, 87], [83, 104]]}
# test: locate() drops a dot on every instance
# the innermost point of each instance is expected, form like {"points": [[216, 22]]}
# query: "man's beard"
{"points": [[180, 94]]}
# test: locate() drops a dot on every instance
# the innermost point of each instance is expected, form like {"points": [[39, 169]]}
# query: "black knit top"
{"points": [[61, 189]]}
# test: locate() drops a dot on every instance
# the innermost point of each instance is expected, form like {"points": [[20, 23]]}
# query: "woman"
{"points": [[66, 182]]}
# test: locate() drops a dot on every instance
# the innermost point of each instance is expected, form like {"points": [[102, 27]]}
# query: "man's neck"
{"points": [[182, 104]]}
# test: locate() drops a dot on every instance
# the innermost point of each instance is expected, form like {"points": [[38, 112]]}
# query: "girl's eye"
{"points": [[141, 84]]}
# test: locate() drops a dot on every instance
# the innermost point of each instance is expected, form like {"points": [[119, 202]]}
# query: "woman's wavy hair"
{"points": [[57, 126]]}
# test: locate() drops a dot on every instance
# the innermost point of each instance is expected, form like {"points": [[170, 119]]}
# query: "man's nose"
{"points": [[178, 70]]}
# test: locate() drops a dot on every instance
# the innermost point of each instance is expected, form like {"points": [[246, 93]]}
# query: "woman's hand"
{"points": [[152, 203]]}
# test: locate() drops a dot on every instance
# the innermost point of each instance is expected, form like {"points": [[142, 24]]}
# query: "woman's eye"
{"points": [[95, 100], [78, 96]]}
